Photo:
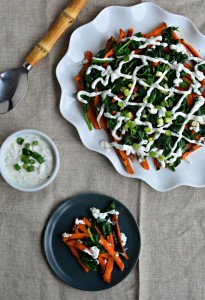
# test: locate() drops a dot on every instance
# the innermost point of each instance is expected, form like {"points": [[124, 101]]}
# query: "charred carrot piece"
{"points": [[108, 270], [157, 31], [77, 256], [121, 36], [157, 164], [145, 164], [129, 32], [115, 219], [131, 157], [190, 98], [112, 252], [109, 43]]}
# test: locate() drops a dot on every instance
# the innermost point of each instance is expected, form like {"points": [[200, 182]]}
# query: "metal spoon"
{"points": [[14, 82]]}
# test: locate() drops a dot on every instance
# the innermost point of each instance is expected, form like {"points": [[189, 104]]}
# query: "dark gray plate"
{"points": [[58, 255]]}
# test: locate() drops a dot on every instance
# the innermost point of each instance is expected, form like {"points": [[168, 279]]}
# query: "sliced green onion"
{"points": [[130, 85], [122, 89], [26, 152], [160, 122], [159, 74], [161, 157], [150, 139], [168, 113], [133, 125], [25, 166], [152, 154], [30, 169], [17, 167], [135, 146], [167, 120], [32, 161], [120, 104], [20, 141], [35, 155], [27, 145], [25, 159], [168, 133], [127, 125], [35, 143], [133, 131], [147, 129], [129, 115], [40, 159], [126, 92]]}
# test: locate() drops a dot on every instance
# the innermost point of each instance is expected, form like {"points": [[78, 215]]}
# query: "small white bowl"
{"points": [[53, 148]]}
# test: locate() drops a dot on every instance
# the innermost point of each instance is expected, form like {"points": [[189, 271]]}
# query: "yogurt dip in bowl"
{"points": [[29, 160]]}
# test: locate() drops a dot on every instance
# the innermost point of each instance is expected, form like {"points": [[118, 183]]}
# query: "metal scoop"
{"points": [[14, 82]]}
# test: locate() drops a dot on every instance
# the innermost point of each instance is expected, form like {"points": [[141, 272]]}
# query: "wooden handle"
{"points": [[66, 18]]}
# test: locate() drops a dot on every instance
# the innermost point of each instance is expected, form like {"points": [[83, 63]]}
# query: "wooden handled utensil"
{"points": [[14, 82]]}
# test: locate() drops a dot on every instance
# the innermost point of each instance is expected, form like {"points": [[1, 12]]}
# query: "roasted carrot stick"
{"points": [[108, 270], [75, 229], [93, 117], [88, 57], [157, 31], [77, 256], [105, 255], [109, 53], [80, 246], [191, 49], [131, 157], [102, 261], [110, 240], [87, 222], [115, 219], [82, 228], [75, 236], [121, 36], [188, 66], [96, 98], [114, 254], [145, 164]]}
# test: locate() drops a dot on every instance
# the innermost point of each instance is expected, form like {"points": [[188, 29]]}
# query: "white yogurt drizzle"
{"points": [[108, 74]]}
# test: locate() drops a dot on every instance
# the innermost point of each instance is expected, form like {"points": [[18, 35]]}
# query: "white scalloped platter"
{"points": [[93, 36]]}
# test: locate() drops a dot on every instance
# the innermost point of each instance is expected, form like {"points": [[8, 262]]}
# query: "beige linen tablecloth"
{"points": [[172, 225]]}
